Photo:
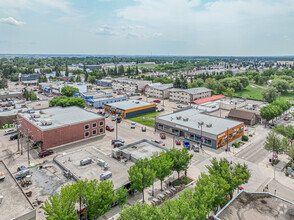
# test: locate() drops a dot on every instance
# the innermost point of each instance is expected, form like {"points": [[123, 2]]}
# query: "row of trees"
{"points": [[275, 109], [211, 192], [180, 83], [143, 173], [68, 91], [29, 95], [96, 197], [64, 101]]}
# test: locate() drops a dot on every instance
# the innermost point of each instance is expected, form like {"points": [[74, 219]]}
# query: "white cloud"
{"points": [[11, 21], [133, 31]]}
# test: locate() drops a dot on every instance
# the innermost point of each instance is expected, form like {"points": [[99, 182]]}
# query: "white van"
{"points": [[10, 131]]}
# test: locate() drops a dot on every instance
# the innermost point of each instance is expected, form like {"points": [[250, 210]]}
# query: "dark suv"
{"points": [[45, 153]]}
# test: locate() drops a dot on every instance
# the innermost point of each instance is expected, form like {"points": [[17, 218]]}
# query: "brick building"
{"points": [[55, 126]]}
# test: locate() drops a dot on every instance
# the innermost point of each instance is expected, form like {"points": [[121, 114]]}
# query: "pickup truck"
{"points": [[186, 144]]}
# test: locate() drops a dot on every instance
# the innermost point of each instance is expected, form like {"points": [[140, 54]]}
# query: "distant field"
{"points": [[148, 121], [148, 65]]}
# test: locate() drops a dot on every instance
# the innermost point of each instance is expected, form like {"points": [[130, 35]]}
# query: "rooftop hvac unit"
{"points": [[101, 162], [200, 123], [209, 125], [49, 122], [137, 102], [178, 117], [36, 115], [85, 161], [185, 119], [106, 175]]}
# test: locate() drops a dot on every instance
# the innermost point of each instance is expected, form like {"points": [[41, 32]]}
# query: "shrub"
{"points": [[244, 138], [250, 135], [287, 174], [236, 145]]}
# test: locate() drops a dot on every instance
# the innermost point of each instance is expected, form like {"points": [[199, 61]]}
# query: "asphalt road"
{"points": [[281, 190]]}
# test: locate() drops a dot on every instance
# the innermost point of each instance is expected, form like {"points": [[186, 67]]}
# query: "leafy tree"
{"points": [[180, 158], [141, 175], [267, 113], [177, 83], [273, 143], [92, 79], [230, 92], [137, 211], [69, 91], [280, 84], [193, 85], [33, 96], [200, 82], [3, 83], [72, 79], [78, 79], [98, 198], [232, 82], [287, 131], [64, 101], [61, 206], [210, 83], [184, 84], [162, 165], [270, 94], [284, 105], [219, 87], [244, 81], [66, 70], [121, 196]]}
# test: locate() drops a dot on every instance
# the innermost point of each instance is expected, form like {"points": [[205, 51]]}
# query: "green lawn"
{"points": [[250, 92], [148, 121], [148, 65]]}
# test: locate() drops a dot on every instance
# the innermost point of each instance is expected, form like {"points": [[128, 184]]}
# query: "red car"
{"points": [[109, 128], [45, 153], [178, 142], [286, 119], [158, 142], [162, 136], [156, 100]]}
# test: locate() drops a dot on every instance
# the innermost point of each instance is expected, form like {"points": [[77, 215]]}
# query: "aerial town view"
{"points": [[146, 110]]}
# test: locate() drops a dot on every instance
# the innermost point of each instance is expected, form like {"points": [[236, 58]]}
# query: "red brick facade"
{"points": [[62, 135]]}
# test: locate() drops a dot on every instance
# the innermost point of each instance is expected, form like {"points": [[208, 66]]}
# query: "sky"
{"points": [[148, 27]]}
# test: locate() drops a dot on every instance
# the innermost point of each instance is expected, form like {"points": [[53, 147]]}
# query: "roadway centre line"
{"points": [[251, 155]]}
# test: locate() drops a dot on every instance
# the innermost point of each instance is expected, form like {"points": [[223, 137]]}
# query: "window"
{"points": [[94, 125], [101, 123], [87, 127], [101, 130], [94, 132], [87, 134]]}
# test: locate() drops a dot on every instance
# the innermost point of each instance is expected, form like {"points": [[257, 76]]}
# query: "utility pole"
{"points": [[18, 133], [28, 146], [174, 141], [116, 135], [162, 98]]}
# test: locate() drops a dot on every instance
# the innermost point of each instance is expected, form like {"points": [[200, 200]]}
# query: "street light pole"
{"points": [[116, 131]]}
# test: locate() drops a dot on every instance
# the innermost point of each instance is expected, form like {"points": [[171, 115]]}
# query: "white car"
{"points": [[133, 125], [10, 131]]}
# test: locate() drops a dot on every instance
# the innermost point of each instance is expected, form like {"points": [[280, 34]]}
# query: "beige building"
{"points": [[158, 90], [189, 95], [129, 85]]}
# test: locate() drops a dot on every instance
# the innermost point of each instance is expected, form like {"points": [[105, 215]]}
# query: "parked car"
{"points": [[113, 118], [195, 148], [9, 131], [144, 129], [158, 142], [99, 107], [21, 168], [186, 144], [106, 115], [119, 119], [286, 119], [160, 109], [45, 153], [117, 140], [156, 101], [272, 126], [13, 137], [139, 98], [118, 144], [109, 128], [162, 136], [180, 106], [178, 142], [133, 125]]}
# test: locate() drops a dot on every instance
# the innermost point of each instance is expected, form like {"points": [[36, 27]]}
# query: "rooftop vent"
{"points": [[200, 123], [209, 125], [185, 119], [46, 122], [178, 117], [35, 115]]}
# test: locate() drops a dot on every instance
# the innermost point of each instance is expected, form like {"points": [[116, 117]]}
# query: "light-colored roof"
{"points": [[60, 116], [108, 98], [14, 204], [192, 90], [219, 125], [161, 86], [130, 104]]}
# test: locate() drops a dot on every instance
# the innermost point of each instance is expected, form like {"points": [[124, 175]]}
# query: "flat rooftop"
{"points": [[263, 205], [192, 90], [15, 204], [106, 98], [130, 104], [60, 116], [218, 125], [71, 161], [142, 149]]}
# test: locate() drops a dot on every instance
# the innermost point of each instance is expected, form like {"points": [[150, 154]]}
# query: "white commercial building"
{"points": [[189, 95], [158, 90]]}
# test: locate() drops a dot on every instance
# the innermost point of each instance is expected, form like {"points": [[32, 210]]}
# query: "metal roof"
{"points": [[218, 125], [60, 116], [208, 99], [161, 86], [130, 104]]}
